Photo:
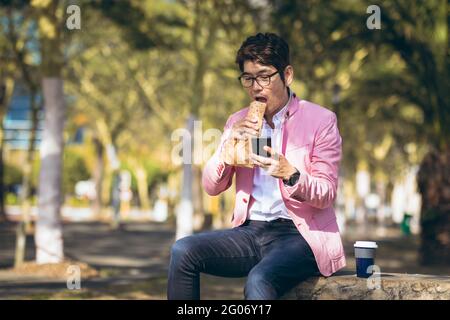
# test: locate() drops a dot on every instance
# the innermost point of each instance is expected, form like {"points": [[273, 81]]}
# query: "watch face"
{"points": [[294, 178]]}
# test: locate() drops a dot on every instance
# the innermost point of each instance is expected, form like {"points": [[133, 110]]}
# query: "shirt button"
{"points": [[245, 200]]}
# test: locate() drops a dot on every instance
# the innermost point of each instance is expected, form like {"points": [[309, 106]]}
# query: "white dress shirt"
{"points": [[269, 203]]}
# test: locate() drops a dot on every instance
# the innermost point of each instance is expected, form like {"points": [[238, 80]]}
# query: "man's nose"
{"points": [[256, 86]]}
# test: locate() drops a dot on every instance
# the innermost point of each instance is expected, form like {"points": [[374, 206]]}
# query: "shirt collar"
{"points": [[279, 116]]}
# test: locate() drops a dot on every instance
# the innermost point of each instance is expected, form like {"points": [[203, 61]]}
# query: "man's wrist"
{"points": [[292, 179]]}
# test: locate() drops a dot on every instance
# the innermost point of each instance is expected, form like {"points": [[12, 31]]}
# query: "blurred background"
{"points": [[94, 96]]}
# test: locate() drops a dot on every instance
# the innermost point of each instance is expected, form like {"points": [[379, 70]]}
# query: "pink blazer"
{"points": [[311, 142]]}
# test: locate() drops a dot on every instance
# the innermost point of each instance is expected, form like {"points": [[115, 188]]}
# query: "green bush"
{"points": [[12, 175], [78, 203], [11, 199], [155, 174], [74, 170]]}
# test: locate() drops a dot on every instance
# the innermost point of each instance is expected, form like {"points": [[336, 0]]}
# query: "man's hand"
{"points": [[277, 165], [244, 129], [241, 130]]}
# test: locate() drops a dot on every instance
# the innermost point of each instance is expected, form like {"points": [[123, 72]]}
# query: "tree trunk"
{"points": [[381, 191], [98, 176], [142, 186], [6, 92], [48, 237], [362, 189], [106, 139], [185, 210], [48, 233], [201, 220], [434, 186], [2, 191], [203, 63], [107, 187], [27, 171], [24, 226]]}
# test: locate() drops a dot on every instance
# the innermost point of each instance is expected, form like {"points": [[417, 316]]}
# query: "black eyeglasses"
{"points": [[263, 80]]}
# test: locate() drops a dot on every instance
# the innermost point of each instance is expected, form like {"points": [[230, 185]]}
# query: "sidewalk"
{"points": [[79, 214]]}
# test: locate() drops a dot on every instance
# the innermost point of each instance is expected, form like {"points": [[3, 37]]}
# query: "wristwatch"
{"points": [[292, 179]]}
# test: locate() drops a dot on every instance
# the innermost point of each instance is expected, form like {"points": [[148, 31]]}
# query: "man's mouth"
{"points": [[261, 99]]}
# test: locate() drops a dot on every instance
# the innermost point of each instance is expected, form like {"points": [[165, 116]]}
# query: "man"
{"points": [[284, 225]]}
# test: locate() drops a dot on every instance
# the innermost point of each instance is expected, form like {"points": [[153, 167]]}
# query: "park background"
{"points": [[95, 95]]}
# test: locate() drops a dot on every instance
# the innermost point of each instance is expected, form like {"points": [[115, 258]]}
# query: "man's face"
{"points": [[275, 94]]}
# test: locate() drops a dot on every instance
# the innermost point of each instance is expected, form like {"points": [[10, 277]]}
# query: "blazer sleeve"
{"points": [[318, 189], [217, 176]]}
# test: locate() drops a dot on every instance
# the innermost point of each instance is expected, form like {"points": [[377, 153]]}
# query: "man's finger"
{"points": [[251, 125], [263, 160], [248, 130], [274, 155], [241, 134]]}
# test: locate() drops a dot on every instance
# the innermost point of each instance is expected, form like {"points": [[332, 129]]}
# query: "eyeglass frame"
{"points": [[255, 79]]}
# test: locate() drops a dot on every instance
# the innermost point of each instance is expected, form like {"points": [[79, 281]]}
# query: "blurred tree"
{"points": [[405, 88], [215, 27], [48, 16], [21, 34], [13, 175], [48, 236], [8, 74], [6, 89], [169, 30], [74, 170], [124, 95], [112, 108]]}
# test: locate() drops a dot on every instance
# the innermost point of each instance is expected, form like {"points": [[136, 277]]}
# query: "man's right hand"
{"points": [[244, 128], [241, 130]]}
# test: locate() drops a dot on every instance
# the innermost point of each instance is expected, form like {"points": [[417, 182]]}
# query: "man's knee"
{"points": [[183, 249], [259, 286]]}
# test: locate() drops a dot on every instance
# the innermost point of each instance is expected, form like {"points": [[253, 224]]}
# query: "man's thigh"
{"points": [[226, 253]]}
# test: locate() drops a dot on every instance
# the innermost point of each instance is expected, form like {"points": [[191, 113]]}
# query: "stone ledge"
{"points": [[392, 286]]}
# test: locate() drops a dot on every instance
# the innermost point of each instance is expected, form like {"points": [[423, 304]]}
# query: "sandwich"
{"points": [[237, 152]]}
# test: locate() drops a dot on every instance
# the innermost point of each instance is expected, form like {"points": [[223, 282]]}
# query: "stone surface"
{"points": [[388, 286]]}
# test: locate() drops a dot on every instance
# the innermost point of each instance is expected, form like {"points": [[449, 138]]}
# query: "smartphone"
{"points": [[258, 146]]}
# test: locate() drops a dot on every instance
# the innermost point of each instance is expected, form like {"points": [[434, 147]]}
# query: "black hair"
{"points": [[265, 48]]}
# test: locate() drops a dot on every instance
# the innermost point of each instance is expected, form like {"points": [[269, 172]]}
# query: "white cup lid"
{"points": [[366, 244]]}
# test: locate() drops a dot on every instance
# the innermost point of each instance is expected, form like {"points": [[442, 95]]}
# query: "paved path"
{"points": [[135, 259]]}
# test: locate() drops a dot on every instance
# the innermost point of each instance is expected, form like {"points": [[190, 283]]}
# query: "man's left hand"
{"points": [[277, 165]]}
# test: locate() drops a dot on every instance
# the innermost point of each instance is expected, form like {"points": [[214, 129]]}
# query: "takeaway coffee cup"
{"points": [[365, 257]]}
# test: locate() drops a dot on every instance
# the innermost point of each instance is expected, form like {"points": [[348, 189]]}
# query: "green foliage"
{"points": [[11, 199], [12, 175], [155, 174], [392, 80], [75, 202], [145, 65], [74, 170]]}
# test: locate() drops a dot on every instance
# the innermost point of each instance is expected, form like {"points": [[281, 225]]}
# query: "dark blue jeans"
{"points": [[273, 255]]}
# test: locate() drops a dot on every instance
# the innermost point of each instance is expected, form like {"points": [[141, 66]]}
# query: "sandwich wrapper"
{"points": [[237, 152]]}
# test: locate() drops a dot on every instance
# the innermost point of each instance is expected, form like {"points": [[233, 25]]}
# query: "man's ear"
{"points": [[288, 75]]}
